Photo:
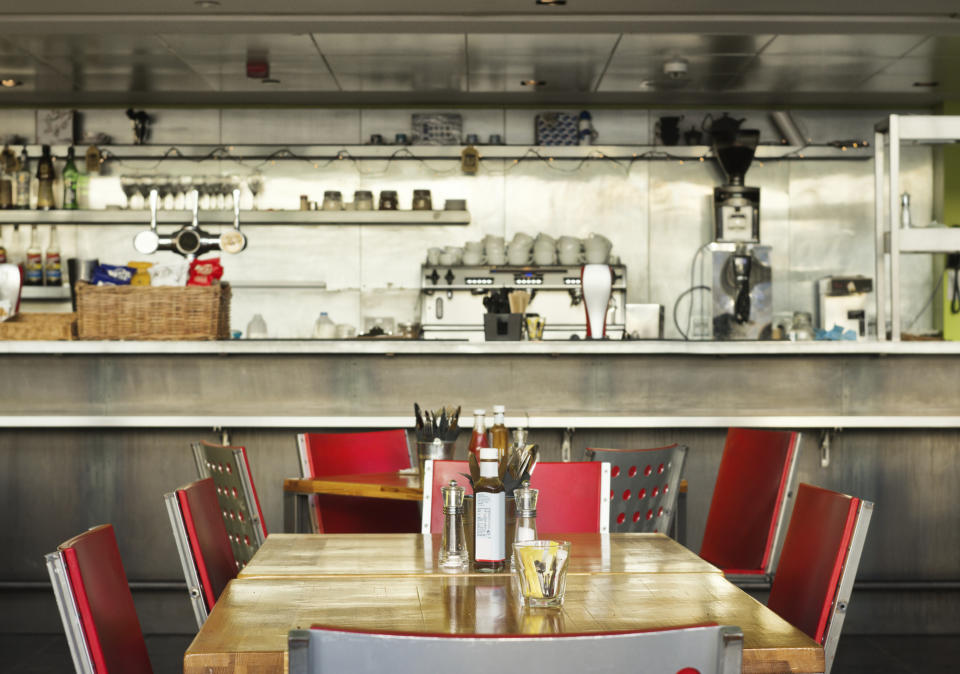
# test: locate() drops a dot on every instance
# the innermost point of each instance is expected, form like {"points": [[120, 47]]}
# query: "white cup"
{"points": [[455, 251], [345, 331], [596, 255], [545, 239], [497, 256], [493, 240], [569, 255], [472, 258], [569, 241], [433, 256], [544, 255], [447, 259], [518, 255], [473, 247], [522, 239]]}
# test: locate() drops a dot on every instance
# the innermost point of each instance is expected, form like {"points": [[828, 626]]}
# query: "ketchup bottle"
{"points": [[479, 437]]}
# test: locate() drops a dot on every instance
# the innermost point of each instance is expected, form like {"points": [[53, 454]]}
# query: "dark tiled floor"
{"points": [[43, 653]]}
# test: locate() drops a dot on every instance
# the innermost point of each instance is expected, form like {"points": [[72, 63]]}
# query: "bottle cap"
{"points": [[452, 495], [479, 413], [489, 454], [499, 409], [526, 499]]}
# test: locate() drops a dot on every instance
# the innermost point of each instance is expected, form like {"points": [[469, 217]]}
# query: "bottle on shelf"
{"points": [[23, 180], [478, 438], [499, 435], [45, 177], [7, 165], [33, 269], [71, 179], [52, 265], [489, 521]]}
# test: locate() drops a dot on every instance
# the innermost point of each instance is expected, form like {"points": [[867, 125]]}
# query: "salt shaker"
{"points": [[453, 546], [526, 500]]}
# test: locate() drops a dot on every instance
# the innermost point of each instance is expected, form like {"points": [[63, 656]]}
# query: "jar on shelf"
{"points": [[802, 328], [363, 200], [422, 200], [388, 200], [332, 201]]}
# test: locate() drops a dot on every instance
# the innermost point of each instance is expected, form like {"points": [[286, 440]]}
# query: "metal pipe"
{"points": [[140, 585]]}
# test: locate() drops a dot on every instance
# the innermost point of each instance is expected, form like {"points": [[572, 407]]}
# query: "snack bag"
{"points": [[112, 275], [205, 272], [168, 274]]}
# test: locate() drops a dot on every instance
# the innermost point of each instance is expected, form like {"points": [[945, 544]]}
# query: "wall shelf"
{"points": [[138, 218], [927, 240], [326, 153], [45, 293]]}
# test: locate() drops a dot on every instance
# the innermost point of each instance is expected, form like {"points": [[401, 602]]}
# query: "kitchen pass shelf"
{"points": [[247, 218], [927, 240]]}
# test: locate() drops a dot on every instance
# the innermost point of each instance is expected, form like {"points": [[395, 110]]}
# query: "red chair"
{"points": [[820, 557], [326, 454], [96, 606], [574, 497], [230, 470], [751, 498], [205, 552]]}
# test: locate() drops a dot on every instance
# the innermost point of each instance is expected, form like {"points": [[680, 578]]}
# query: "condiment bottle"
{"points": [[499, 435], [526, 499], [45, 176], [33, 269], [52, 267], [453, 547], [489, 522], [71, 180], [479, 437]]}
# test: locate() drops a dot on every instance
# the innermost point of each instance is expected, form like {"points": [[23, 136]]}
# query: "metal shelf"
{"points": [[45, 293], [927, 240], [247, 218], [452, 152]]}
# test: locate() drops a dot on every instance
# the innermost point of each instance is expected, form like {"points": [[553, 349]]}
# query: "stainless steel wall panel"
{"points": [[846, 45], [300, 126]]}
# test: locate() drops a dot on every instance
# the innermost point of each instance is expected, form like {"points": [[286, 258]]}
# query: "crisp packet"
{"points": [[112, 275], [168, 274], [205, 272]]}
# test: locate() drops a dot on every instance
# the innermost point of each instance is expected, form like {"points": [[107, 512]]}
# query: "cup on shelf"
{"points": [[544, 254], [433, 256], [518, 255], [456, 252], [496, 255]]}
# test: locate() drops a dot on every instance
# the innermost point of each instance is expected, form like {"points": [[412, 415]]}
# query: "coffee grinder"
{"points": [[742, 292]]}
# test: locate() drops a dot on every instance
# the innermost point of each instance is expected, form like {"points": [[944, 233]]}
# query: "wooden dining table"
{"points": [[393, 582]]}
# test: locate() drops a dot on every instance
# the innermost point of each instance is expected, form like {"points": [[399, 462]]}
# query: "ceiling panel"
{"points": [[688, 45], [807, 73], [638, 73], [501, 62], [848, 45], [404, 62]]}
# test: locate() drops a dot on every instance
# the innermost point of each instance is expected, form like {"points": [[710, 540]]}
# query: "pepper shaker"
{"points": [[526, 500], [453, 546]]}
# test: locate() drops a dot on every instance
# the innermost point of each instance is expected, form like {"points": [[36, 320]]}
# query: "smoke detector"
{"points": [[675, 69]]}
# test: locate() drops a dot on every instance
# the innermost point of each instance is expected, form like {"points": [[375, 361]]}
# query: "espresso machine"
{"points": [[451, 299], [742, 278]]}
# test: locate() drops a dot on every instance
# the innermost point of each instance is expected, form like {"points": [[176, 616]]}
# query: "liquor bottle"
{"points": [[71, 178], [3, 249], [52, 266], [8, 164], [489, 520], [33, 269], [499, 435], [479, 437], [45, 176], [23, 180]]}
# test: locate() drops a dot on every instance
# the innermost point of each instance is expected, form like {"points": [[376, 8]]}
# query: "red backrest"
{"points": [[813, 557], [569, 500], [443, 472], [747, 499], [104, 602], [353, 454], [570, 495], [211, 549]]}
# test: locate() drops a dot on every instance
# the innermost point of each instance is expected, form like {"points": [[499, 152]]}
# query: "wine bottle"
{"points": [[71, 178], [45, 176]]}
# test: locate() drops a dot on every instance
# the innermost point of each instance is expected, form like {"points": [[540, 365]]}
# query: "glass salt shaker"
{"points": [[453, 546], [526, 500]]}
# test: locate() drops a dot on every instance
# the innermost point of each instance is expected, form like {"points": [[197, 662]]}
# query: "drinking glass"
{"points": [[541, 568], [255, 185], [129, 186]]}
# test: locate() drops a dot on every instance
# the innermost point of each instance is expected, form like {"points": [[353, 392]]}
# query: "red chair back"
{"points": [[209, 544], [816, 553], [242, 516], [573, 496], [102, 596], [326, 454], [749, 500]]}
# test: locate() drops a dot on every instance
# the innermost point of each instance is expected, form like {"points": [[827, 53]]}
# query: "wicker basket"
{"points": [[153, 312], [40, 326]]}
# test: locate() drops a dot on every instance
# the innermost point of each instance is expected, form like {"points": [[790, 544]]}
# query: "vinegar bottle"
{"points": [[489, 520], [499, 435], [52, 266], [479, 437], [33, 269]]}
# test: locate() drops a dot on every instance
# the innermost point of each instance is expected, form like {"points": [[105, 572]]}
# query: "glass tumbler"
{"points": [[541, 568]]}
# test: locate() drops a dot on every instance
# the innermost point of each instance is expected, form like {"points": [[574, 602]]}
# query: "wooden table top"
{"points": [[247, 629], [326, 555], [397, 486]]}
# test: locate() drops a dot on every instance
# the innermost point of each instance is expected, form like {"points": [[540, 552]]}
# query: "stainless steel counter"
{"points": [[440, 348]]}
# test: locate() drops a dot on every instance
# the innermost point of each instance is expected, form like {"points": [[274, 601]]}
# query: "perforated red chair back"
{"points": [[205, 552], [821, 553], [750, 501], [438, 473], [326, 454], [574, 497], [88, 577], [230, 470], [643, 486]]}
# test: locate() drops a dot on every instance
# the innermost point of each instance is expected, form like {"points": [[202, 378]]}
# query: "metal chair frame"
{"points": [[187, 562], [69, 614], [711, 649]]}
